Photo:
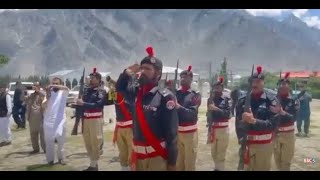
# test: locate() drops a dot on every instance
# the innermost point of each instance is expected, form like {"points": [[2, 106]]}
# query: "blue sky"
{"points": [[309, 16]]}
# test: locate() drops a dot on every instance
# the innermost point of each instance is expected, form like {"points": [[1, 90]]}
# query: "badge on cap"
{"points": [[152, 60], [171, 104]]}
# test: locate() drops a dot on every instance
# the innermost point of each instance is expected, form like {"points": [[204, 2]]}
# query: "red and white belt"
{"points": [[93, 114], [218, 124], [259, 137], [256, 137], [288, 127], [187, 128], [124, 124], [145, 151]]}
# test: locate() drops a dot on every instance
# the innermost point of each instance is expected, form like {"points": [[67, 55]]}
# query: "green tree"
{"points": [[4, 60]]}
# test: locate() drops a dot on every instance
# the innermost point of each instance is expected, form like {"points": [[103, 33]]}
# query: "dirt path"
{"points": [[16, 156]]}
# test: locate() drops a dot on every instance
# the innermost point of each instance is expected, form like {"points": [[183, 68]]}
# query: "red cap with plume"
{"points": [[221, 79], [95, 73], [150, 51], [189, 68], [187, 72], [287, 75], [259, 69]]}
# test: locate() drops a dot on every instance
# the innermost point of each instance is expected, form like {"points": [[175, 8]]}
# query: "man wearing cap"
{"points": [[188, 102], [285, 139], [5, 113], [93, 102], [35, 118], [219, 109], [155, 118], [257, 126]]}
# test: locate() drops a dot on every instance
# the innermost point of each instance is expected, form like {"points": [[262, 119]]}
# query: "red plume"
{"points": [[189, 68], [94, 70], [287, 75], [259, 69], [221, 79], [150, 51]]}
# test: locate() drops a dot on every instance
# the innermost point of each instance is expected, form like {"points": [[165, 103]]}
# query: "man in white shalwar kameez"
{"points": [[5, 113], [55, 120]]}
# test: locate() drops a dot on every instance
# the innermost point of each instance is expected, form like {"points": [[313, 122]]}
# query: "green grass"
{"points": [[46, 167]]}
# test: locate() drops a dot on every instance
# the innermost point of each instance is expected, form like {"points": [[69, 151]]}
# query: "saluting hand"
{"points": [[133, 69], [248, 117]]}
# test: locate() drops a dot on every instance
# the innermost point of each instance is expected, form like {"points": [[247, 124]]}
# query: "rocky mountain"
{"points": [[45, 41]]}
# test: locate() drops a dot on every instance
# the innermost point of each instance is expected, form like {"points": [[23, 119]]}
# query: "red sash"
{"points": [[146, 131], [125, 112]]}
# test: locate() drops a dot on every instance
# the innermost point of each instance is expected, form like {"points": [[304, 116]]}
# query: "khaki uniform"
{"points": [[151, 164], [124, 142], [35, 117], [260, 157], [284, 150], [219, 146], [92, 135], [187, 151]]}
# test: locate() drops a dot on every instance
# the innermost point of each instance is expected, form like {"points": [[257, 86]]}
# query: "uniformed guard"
{"points": [[188, 102], [257, 126], [285, 139], [155, 118], [219, 109], [123, 130], [93, 102]]}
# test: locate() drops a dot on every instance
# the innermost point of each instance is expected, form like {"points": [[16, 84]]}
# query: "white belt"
{"points": [[124, 123], [95, 114], [146, 149], [286, 128], [263, 137], [187, 128], [219, 124]]}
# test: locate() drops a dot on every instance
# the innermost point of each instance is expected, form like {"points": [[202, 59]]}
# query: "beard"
{"points": [[145, 80]]}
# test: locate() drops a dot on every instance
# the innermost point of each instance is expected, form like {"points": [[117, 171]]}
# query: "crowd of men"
{"points": [[156, 128]]}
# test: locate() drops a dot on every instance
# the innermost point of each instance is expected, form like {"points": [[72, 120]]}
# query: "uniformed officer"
{"points": [[258, 125], [93, 102], [219, 109], [188, 102], [123, 130], [155, 118], [285, 139]]}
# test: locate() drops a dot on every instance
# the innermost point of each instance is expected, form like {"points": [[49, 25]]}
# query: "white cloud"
{"points": [[267, 12], [299, 12], [313, 21]]}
